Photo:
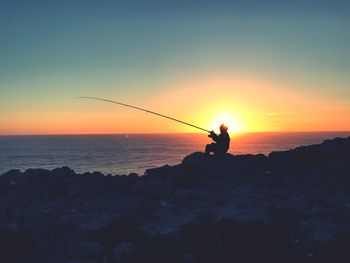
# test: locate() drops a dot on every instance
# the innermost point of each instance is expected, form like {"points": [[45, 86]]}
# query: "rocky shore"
{"points": [[291, 206]]}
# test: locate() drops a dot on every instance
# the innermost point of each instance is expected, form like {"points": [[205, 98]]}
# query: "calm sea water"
{"points": [[123, 154]]}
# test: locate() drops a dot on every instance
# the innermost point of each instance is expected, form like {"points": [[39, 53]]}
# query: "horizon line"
{"points": [[164, 133]]}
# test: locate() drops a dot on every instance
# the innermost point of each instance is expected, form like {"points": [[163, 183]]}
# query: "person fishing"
{"points": [[221, 142]]}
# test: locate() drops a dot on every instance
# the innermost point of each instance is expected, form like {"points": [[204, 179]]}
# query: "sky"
{"points": [[255, 65]]}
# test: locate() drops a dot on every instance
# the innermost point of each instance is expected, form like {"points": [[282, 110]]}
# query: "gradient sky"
{"points": [[258, 65]]}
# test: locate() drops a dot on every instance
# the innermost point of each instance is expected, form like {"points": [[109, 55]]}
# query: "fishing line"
{"points": [[145, 110]]}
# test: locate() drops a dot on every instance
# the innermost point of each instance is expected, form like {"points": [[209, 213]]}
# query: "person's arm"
{"points": [[214, 136], [221, 138]]}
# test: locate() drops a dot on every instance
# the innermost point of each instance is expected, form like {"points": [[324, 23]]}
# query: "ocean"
{"points": [[123, 154]]}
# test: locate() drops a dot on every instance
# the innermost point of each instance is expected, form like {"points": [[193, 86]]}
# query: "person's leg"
{"points": [[207, 149], [210, 148], [219, 151]]}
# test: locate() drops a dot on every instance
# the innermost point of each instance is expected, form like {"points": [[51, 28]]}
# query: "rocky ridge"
{"points": [[291, 206]]}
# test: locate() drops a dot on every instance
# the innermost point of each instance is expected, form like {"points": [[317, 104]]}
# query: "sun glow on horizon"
{"points": [[243, 103], [231, 121]]}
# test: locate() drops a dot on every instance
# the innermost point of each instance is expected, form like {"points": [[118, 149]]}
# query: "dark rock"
{"points": [[152, 188], [16, 246], [98, 174], [12, 173], [291, 206], [124, 252], [188, 259], [161, 171], [287, 214], [91, 249], [187, 178], [38, 173], [63, 172], [195, 159]]}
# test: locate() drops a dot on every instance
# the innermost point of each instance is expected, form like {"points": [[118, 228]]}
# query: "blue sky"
{"points": [[60, 49]]}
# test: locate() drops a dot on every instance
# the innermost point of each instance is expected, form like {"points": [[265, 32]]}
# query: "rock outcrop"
{"points": [[291, 206]]}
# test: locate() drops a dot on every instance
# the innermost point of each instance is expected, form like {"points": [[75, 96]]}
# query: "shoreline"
{"points": [[120, 154]]}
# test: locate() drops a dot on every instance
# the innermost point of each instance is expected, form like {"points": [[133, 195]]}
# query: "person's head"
{"points": [[223, 128]]}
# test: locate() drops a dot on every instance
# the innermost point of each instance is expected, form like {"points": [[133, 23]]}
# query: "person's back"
{"points": [[222, 142]]}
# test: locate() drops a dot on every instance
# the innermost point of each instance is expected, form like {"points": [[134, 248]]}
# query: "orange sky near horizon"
{"points": [[258, 67], [245, 104]]}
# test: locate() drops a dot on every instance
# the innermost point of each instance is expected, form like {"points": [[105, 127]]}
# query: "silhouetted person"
{"points": [[221, 142]]}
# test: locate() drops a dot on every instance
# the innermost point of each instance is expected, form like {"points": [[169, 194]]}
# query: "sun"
{"points": [[233, 124]]}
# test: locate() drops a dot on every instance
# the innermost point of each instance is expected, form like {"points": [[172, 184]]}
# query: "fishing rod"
{"points": [[145, 110]]}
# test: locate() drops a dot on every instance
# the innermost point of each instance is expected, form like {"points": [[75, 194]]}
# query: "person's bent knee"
{"points": [[208, 148]]}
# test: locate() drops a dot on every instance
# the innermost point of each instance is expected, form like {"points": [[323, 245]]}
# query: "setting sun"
{"points": [[234, 125]]}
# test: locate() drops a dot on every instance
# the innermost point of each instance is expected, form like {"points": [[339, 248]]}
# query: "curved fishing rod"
{"points": [[148, 111]]}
